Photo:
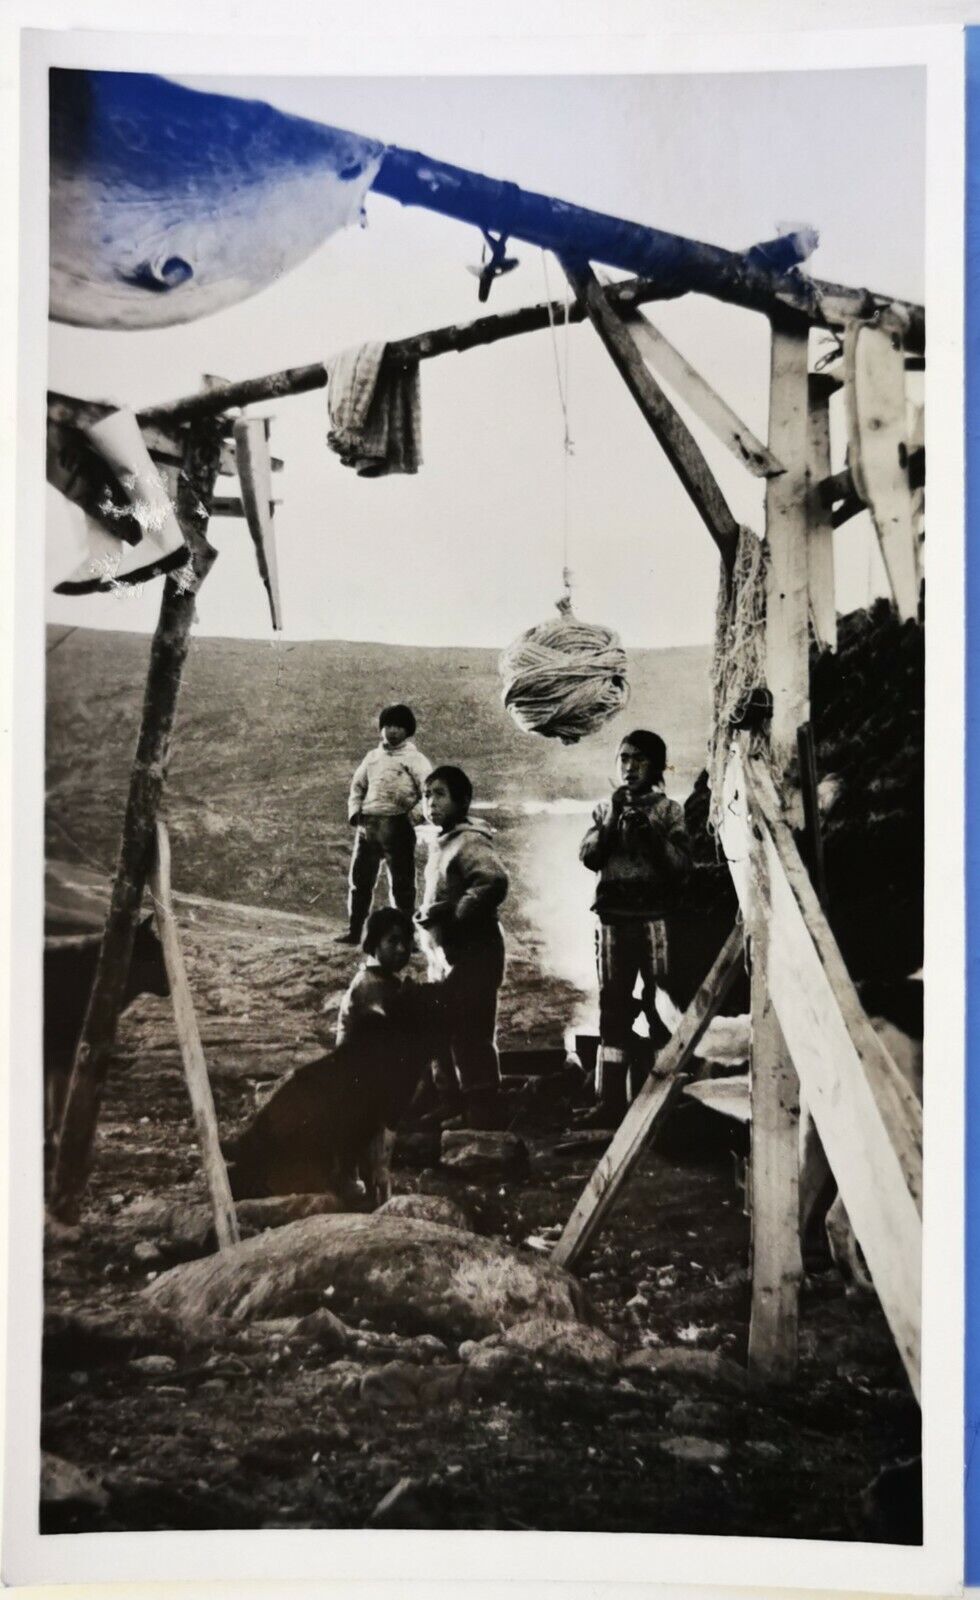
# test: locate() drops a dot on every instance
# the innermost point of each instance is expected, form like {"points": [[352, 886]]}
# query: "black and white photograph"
{"points": [[485, 593]]}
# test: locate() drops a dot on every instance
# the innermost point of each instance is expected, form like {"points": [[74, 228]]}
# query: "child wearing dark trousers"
{"points": [[385, 791], [639, 849], [465, 884]]}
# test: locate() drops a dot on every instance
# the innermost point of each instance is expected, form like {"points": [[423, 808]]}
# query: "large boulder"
{"points": [[398, 1272]]}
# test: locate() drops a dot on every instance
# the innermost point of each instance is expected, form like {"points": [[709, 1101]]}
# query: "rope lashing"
{"points": [[564, 679]]}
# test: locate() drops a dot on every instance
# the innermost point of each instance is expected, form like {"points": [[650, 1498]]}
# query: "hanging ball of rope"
{"points": [[564, 679]]}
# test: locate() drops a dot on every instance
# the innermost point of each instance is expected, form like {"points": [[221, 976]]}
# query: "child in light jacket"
{"points": [[639, 849], [385, 793]]}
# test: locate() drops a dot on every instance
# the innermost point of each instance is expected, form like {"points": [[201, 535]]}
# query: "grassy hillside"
{"points": [[267, 736]]}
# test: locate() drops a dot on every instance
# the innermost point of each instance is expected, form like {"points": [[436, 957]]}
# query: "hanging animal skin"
{"points": [[168, 204]]}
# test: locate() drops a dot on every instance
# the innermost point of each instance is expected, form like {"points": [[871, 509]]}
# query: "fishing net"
{"points": [[564, 679], [738, 670]]}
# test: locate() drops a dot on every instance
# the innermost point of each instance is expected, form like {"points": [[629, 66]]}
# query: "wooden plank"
{"points": [[191, 1049], [878, 442], [252, 445], [844, 1077], [777, 1267], [820, 527], [703, 400], [671, 432], [788, 583], [649, 1107], [167, 655]]}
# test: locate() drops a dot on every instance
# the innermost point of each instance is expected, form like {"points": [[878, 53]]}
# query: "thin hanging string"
{"points": [[568, 447]]}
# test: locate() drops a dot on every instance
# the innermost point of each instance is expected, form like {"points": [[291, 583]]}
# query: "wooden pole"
{"points": [[647, 1112], [191, 1049], [820, 526], [167, 655], [685, 265], [776, 1260], [671, 432], [777, 1266]]}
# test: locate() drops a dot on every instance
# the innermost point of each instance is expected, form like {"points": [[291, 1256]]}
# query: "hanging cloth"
{"points": [[255, 479], [375, 414], [112, 560]]}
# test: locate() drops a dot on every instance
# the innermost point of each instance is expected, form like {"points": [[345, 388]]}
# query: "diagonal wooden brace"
{"points": [[647, 1112], [672, 433]]}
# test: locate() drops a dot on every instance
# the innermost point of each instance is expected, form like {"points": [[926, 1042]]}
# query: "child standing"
{"points": [[638, 847], [385, 791], [465, 884]]}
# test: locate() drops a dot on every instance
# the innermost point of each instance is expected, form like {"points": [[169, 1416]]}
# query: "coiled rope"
{"points": [[564, 679]]}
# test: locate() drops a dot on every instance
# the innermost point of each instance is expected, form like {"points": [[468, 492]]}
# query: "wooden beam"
{"points": [[696, 392], [820, 528], [777, 1267], [649, 1108], [846, 1076], [230, 505], [878, 440], [454, 338], [686, 265], [167, 654], [787, 586], [191, 1049], [671, 432]]}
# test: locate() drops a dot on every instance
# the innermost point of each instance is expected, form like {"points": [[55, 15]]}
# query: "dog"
{"points": [[332, 1121]]}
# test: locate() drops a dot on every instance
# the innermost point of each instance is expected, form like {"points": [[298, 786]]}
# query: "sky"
{"points": [[470, 551]]}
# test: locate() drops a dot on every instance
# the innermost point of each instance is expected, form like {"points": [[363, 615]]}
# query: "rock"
{"points": [[490, 1155], [687, 1448], [328, 1330], [397, 1271], [132, 1327], [488, 1359], [188, 1230], [400, 1383], [62, 1483], [425, 1208], [566, 1344], [675, 1362], [147, 1252], [154, 1366], [764, 1448], [398, 1508], [416, 1149], [699, 1416]]}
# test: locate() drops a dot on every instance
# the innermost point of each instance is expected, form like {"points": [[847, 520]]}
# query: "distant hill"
{"points": [[268, 733]]}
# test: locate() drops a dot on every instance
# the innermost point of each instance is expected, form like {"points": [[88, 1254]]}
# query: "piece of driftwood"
{"points": [[649, 1108], [167, 655], [703, 400], [672, 433], [191, 1049], [820, 527], [851, 1087], [687, 265]]}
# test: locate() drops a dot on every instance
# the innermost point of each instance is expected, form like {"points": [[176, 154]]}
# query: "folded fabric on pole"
{"points": [[109, 561], [375, 413]]}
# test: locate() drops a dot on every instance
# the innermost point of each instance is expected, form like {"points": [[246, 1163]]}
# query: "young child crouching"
{"points": [[465, 884], [638, 847]]}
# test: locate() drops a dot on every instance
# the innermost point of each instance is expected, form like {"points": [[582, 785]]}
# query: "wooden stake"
{"points": [[672, 433], [167, 655], [649, 1108], [191, 1050], [820, 527]]}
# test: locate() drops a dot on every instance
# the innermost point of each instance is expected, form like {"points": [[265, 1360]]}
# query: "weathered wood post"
{"points": [[776, 1258], [195, 488]]}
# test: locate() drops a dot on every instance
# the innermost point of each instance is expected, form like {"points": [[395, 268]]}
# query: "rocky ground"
{"points": [[314, 1421]]}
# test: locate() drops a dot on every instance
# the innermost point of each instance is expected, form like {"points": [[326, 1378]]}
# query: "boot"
{"points": [[610, 1108]]}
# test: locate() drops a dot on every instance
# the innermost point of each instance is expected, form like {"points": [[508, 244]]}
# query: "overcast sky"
{"points": [[470, 550]]}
